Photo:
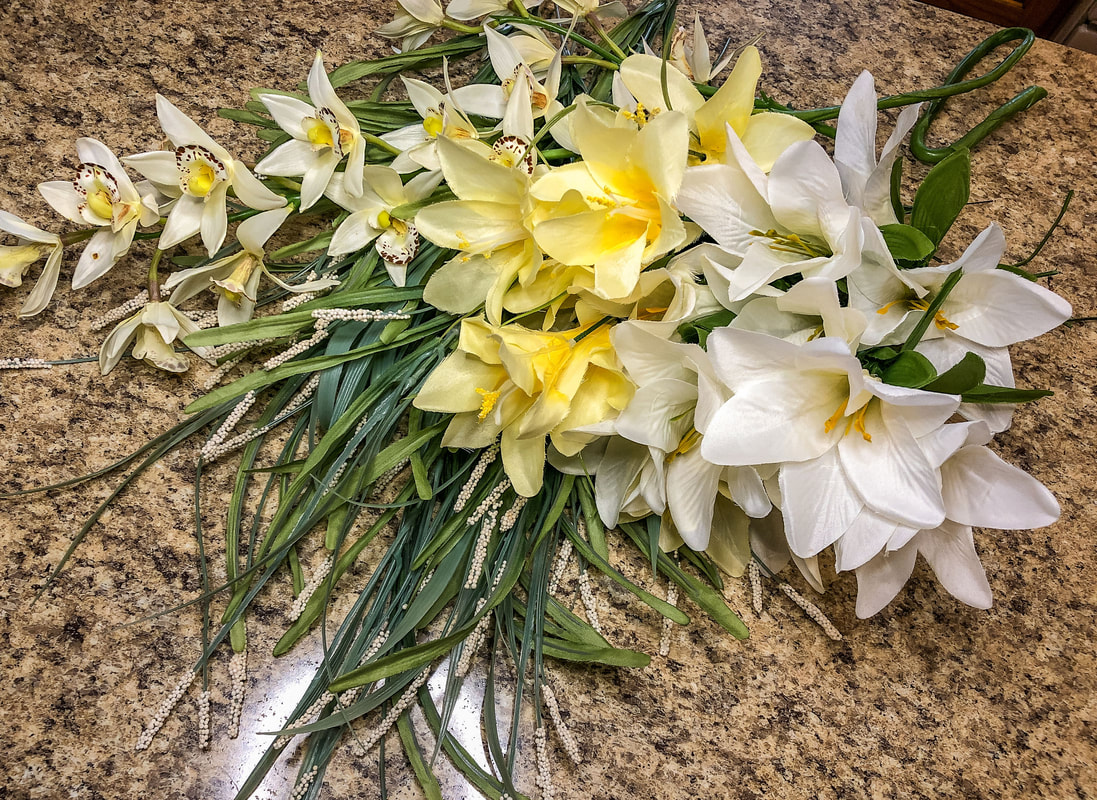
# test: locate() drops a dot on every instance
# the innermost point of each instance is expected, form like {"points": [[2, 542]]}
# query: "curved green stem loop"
{"points": [[1024, 100]]}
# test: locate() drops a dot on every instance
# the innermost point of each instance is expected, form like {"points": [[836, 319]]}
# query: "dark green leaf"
{"points": [[910, 369], [1003, 394], [942, 196], [960, 378], [907, 245]]}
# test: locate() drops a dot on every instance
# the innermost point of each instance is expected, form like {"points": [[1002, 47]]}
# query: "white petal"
{"points": [[729, 544], [215, 219], [805, 191], [182, 130], [17, 227], [316, 180], [950, 551], [114, 346], [722, 199], [819, 503], [855, 142], [64, 199], [864, 538], [158, 166], [323, 95], [997, 308], [691, 492], [288, 112], [747, 491], [617, 476], [40, 295], [254, 232], [981, 489], [183, 222], [658, 415], [880, 580], [290, 159], [251, 190], [353, 234], [101, 253]]}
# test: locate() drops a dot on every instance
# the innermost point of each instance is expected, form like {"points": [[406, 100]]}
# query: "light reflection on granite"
{"points": [[929, 699]]}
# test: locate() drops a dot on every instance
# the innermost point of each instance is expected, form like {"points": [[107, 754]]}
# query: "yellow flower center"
{"points": [[433, 125], [641, 116], [101, 204], [914, 304], [234, 287], [792, 243], [856, 422], [689, 441], [488, 404], [319, 133]]}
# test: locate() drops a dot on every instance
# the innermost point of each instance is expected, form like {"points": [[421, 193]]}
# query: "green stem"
{"points": [[454, 25], [598, 62], [564, 32], [153, 280], [612, 45], [77, 236], [520, 9], [377, 141]]}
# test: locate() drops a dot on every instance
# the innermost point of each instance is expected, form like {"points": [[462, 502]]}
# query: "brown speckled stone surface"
{"points": [[928, 699]]}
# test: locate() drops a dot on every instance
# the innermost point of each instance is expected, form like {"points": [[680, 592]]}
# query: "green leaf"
{"points": [[1003, 394], [896, 185], [907, 245], [962, 377], [942, 196], [419, 766], [610, 656], [910, 369], [697, 330]]}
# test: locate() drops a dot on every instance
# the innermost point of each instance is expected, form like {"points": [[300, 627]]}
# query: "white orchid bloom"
{"points": [[534, 48], [324, 134], [467, 10], [415, 24], [979, 490], [31, 244], [866, 182], [844, 441], [586, 8], [199, 173], [152, 329], [101, 195], [794, 220], [670, 415], [371, 216], [442, 117], [235, 278], [690, 55], [520, 97], [765, 135]]}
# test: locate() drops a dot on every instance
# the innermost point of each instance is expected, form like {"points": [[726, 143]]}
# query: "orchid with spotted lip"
{"points": [[324, 134], [371, 216], [442, 117], [31, 244], [101, 195], [198, 174]]}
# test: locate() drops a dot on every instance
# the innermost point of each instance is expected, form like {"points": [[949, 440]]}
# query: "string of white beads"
{"points": [[510, 517], [389, 476], [571, 747], [493, 502], [204, 319], [128, 308], [163, 711], [221, 371], [477, 473], [297, 349], [481, 551], [356, 315], [310, 588], [589, 603], [812, 611], [203, 720], [238, 674], [232, 348], [295, 300], [544, 773], [209, 450], [351, 696], [406, 699], [480, 632], [668, 625], [563, 558], [303, 785], [307, 717], [755, 576], [24, 363]]}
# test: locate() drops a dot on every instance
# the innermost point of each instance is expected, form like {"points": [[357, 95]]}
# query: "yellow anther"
{"points": [[828, 426], [939, 319], [858, 424], [792, 243], [601, 201], [641, 116], [689, 441], [384, 220], [888, 306], [462, 240], [488, 404]]}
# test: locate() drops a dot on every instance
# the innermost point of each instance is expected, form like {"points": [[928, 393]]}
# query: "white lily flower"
{"points": [[844, 441], [31, 244], [979, 490], [199, 173], [152, 329], [324, 133], [101, 195], [670, 416], [866, 182], [442, 116], [371, 216], [808, 310], [235, 278], [415, 24], [795, 220], [467, 10]]}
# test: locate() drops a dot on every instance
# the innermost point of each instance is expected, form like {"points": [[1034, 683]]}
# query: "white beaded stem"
{"points": [[563, 558], [668, 625], [210, 448], [477, 473], [493, 502], [755, 575], [315, 582], [406, 699], [356, 315], [813, 611], [203, 720], [24, 363], [238, 674], [571, 747], [297, 349], [544, 771], [303, 785], [589, 603], [163, 711], [128, 308], [222, 350]]}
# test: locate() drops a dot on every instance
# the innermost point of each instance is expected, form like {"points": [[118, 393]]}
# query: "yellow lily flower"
{"points": [[520, 385], [613, 210]]}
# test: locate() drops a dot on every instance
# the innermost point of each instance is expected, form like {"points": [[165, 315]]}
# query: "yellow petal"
{"points": [[732, 104]]}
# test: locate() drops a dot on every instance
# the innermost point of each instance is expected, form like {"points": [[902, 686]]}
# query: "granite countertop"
{"points": [[928, 699]]}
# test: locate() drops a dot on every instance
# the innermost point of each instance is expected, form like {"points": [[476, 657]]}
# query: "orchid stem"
{"points": [[520, 9], [377, 141], [77, 236], [153, 281], [453, 25], [599, 62], [612, 45]]}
